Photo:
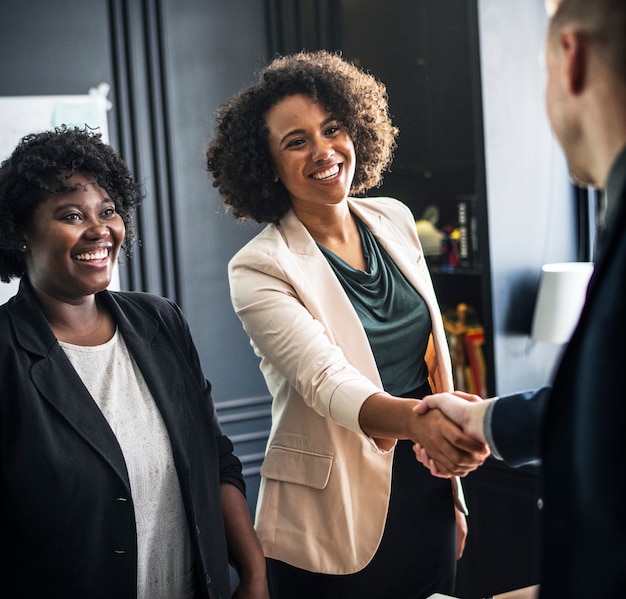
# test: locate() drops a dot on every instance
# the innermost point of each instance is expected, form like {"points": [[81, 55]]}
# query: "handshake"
{"points": [[455, 454]]}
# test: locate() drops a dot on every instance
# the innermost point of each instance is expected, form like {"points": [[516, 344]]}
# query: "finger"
{"points": [[454, 463], [419, 452], [465, 443], [434, 470], [468, 396], [423, 457], [422, 407], [430, 402], [460, 440], [460, 461]]}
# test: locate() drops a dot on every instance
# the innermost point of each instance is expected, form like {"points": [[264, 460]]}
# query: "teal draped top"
{"points": [[392, 312]]}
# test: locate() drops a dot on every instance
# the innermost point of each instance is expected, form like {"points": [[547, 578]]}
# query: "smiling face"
{"points": [[73, 240], [313, 155]]}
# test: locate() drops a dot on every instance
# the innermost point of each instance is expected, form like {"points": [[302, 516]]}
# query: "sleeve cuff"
{"points": [[487, 430], [347, 400]]}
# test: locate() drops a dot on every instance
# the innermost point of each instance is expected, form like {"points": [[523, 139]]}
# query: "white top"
{"points": [[164, 557]]}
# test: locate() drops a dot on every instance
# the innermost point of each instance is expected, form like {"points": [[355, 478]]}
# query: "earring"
{"points": [[24, 247]]}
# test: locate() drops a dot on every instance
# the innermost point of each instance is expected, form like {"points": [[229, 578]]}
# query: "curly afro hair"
{"points": [[40, 166], [238, 156]]}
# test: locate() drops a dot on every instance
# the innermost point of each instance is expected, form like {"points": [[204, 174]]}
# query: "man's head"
{"points": [[586, 89]]}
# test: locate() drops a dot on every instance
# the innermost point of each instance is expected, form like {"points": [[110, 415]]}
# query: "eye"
{"points": [[109, 212], [294, 143], [72, 217], [332, 129]]}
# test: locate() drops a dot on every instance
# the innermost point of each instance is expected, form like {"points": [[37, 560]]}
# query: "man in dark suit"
{"points": [[575, 427]]}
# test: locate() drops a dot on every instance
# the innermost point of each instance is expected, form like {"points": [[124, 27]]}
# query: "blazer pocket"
{"points": [[296, 466]]}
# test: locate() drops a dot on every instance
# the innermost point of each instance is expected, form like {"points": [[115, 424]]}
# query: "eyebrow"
{"points": [[105, 202], [300, 131]]}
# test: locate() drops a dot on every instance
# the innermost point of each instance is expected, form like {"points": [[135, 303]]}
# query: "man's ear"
{"points": [[574, 48]]}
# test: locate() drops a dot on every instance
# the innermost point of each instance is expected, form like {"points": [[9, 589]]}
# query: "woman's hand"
{"points": [[244, 548], [446, 449], [252, 589], [466, 410]]}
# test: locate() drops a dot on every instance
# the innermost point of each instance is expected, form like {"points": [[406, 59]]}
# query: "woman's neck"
{"points": [[328, 224], [83, 322], [336, 230]]}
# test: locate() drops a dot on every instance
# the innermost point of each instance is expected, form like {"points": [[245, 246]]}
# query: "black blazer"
{"points": [[67, 525], [581, 446]]}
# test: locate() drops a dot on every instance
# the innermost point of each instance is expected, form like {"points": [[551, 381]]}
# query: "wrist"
{"points": [[476, 423]]}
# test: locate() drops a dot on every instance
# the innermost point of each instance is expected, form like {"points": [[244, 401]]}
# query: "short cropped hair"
{"points": [[238, 156], [605, 23], [40, 166]]}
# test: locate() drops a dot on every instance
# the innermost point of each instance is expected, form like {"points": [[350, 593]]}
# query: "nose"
{"points": [[98, 230], [322, 150]]}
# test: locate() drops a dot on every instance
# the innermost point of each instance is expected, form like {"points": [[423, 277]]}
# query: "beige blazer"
{"points": [[325, 484]]}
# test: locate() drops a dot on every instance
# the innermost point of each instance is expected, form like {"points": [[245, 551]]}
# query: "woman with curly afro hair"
{"points": [[41, 165], [338, 303], [115, 479]]}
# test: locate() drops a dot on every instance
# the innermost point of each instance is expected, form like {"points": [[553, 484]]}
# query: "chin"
{"points": [[581, 178]]}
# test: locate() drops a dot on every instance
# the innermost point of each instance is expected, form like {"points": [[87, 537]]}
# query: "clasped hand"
{"points": [[452, 443]]}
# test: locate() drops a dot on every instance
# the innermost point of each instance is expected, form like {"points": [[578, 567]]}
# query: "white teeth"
{"points": [[93, 255], [326, 174]]}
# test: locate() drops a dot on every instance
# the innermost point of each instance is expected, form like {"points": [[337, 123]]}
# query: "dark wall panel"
{"points": [[203, 68], [170, 63], [54, 47]]}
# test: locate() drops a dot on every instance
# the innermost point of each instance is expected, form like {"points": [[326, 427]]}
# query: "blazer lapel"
{"points": [[322, 294], [59, 384], [405, 256], [57, 381]]}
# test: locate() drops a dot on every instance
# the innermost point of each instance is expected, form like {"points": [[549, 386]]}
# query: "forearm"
{"points": [[244, 548], [386, 418]]}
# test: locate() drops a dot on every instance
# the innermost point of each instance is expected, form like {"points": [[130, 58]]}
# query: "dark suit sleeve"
{"points": [[516, 424]]}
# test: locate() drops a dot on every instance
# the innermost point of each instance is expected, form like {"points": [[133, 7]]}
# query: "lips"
{"points": [[99, 254], [326, 174]]}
